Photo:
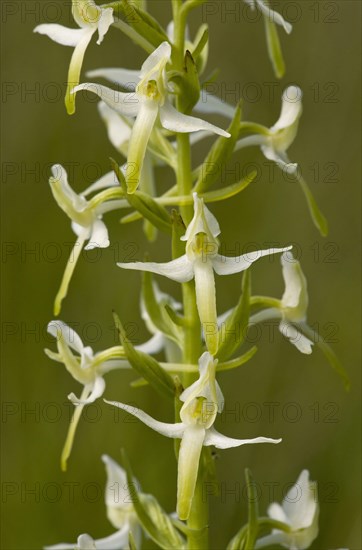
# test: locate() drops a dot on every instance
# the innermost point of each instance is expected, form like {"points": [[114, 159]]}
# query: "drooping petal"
{"points": [[223, 442], [59, 329], [96, 392], [174, 431], [173, 120], [127, 78], [99, 236], [141, 132], [75, 68], [274, 16], [188, 467], [227, 265], [179, 270], [211, 104], [206, 302], [62, 35], [301, 342], [126, 104]]}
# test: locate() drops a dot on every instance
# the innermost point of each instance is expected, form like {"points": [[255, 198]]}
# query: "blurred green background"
{"points": [[318, 421]]}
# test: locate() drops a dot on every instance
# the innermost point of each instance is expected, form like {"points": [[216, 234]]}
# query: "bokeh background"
{"points": [[318, 420]]}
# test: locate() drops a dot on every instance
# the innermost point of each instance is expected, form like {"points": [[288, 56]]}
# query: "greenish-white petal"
{"points": [[75, 68], [62, 35], [173, 120], [223, 442], [295, 297], [137, 148], [295, 337], [96, 392], [174, 431], [291, 108], [180, 270], [211, 104], [157, 59], [99, 235], [123, 77], [59, 329], [105, 21], [274, 16], [206, 302], [224, 265], [188, 466], [126, 104]]}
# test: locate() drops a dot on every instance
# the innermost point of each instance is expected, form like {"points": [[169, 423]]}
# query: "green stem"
{"points": [[198, 520]]}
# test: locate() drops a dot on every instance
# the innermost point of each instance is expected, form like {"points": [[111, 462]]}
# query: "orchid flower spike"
{"points": [[201, 403], [86, 219], [299, 510], [120, 512], [148, 102], [90, 18], [85, 367], [199, 263]]}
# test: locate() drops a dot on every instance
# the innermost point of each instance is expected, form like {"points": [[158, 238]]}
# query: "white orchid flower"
{"points": [[118, 498], [86, 219], [300, 511], [202, 401], [199, 263], [270, 14], [120, 512], [275, 141], [148, 102], [293, 306], [90, 18], [87, 368]]}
